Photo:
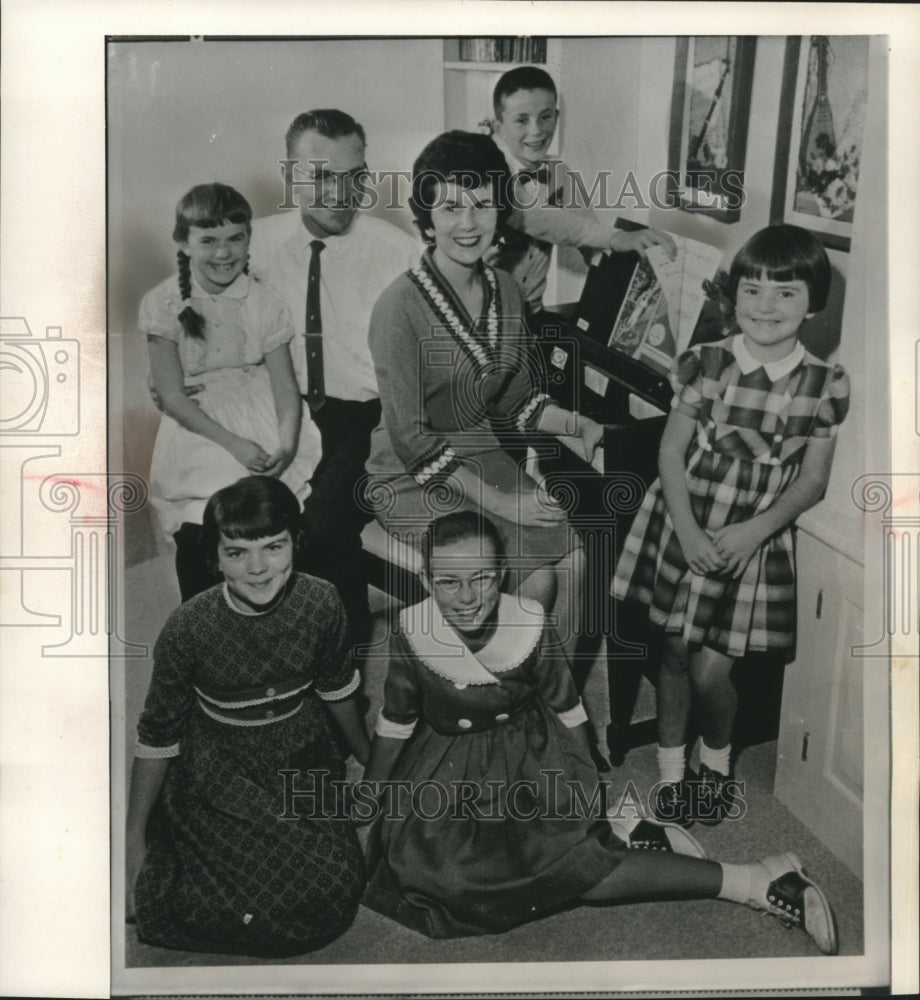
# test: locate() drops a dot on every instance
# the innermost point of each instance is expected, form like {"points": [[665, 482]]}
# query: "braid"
{"points": [[192, 321]]}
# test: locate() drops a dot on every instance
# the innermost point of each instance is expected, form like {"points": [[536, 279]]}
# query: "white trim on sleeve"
{"points": [[155, 753], [342, 692], [574, 716], [393, 730]]}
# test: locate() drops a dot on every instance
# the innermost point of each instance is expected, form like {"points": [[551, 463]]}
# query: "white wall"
{"points": [[599, 125], [182, 113]]}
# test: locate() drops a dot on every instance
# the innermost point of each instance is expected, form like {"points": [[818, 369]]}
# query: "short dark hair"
{"points": [[521, 78], [251, 508], [329, 122], [466, 158], [454, 528], [784, 253]]}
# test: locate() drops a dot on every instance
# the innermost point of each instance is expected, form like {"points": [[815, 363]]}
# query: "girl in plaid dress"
{"points": [[747, 448]]}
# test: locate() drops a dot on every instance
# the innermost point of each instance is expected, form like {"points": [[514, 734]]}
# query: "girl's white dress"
{"points": [[226, 376]]}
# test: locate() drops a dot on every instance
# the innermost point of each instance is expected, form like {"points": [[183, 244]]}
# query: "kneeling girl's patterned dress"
{"points": [[234, 702], [753, 424]]}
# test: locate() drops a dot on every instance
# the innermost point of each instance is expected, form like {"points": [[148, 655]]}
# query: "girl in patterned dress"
{"points": [[217, 858], [492, 811], [747, 448], [221, 371]]}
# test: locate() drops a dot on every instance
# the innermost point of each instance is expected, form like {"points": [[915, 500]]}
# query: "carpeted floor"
{"points": [[650, 931]]}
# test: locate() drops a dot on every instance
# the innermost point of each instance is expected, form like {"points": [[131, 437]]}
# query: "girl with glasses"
{"points": [[490, 811]]}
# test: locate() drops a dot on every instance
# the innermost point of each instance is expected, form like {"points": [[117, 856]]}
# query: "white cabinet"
{"points": [[819, 768]]}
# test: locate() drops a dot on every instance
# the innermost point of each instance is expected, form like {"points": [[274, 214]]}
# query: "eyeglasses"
{"points": [[317, 174], [450, 585]]}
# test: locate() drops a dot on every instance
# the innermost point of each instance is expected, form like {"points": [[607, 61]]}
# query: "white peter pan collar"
{"points": [[775, 369], [443, 651], [238, 290]]}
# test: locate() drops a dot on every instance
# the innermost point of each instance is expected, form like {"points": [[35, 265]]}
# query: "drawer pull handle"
{"points": [[819, 604], [805, 746]]}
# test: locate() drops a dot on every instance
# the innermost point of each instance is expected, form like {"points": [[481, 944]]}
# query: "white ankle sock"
{"points": [[716, 760], [672, 763], [736, 882], [623, 826]]}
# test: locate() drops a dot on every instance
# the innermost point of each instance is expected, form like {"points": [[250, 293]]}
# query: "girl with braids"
{"points": [[221, 372]]}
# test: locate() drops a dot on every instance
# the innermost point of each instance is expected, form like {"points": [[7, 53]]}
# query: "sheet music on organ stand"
{"points": [[647, 307]]}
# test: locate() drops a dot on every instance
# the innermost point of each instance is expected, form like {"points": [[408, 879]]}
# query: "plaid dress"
{"points": [[751, 434]]}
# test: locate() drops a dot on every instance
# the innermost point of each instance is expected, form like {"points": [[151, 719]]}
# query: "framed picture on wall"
{"points": [[819, 139], [710, 106]]}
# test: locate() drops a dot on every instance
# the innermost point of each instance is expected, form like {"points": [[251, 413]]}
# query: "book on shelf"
{"points": [[502, 49]]}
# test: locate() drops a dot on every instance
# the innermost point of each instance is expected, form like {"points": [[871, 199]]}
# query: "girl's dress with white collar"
{"points": [[753, 423], [514, 834], [225, 375]]}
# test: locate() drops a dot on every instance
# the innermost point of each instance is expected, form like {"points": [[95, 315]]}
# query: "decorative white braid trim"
{"points": [[529, 410], [248, 722], [252, 701], [492, 314], [453, 321], [155, 753], [443, 460], [342, 692]]}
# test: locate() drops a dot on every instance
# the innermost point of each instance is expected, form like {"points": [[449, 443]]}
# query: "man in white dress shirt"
{"points": [[349, 258]]}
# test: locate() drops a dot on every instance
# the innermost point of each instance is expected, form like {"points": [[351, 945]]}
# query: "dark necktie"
{"points": [[316, 388]]}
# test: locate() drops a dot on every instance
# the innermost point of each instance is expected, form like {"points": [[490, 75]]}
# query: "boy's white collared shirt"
{"points": [[524, 174], [565, 224]]}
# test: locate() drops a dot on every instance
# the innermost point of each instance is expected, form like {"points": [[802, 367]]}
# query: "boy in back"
{"points": [[547, 210]]}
